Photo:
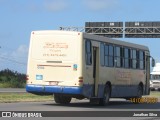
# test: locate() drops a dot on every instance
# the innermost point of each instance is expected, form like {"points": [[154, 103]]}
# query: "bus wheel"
{"points": [[62, 99], [106, 95], [57, 98], [65, 99], [140, 91]]}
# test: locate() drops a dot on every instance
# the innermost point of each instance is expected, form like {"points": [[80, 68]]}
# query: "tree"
{"points": [[9, 78]]}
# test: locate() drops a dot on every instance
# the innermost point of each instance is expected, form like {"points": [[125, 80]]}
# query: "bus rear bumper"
{"points": [[41, 89]]}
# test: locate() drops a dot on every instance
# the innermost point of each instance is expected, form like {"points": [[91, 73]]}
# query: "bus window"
{"points": [[102, 53], [134, 59], [122, 57], [141, 58], [137, 64], [111, 56], [88, 52], [117, 57], [126, 57], [130, 58], [106, 55]]}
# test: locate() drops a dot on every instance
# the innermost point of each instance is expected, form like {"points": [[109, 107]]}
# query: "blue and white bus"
{"points": [[80, 65]]}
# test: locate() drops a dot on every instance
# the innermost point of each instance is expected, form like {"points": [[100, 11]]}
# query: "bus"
{"points": [[71, 64]]}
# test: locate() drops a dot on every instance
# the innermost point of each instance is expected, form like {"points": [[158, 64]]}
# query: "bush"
{"points": [[12, 79]]}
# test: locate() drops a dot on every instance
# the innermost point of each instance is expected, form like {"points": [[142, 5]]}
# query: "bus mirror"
{"points": [[153, 62]]}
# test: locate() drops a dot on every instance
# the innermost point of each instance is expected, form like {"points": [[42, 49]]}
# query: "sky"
{"points": [[19, 17]]}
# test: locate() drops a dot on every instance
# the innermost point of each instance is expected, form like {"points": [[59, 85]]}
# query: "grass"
{"points": [[5, 85], [23, 97], [9, 85], [155, 94], [28, 97]]}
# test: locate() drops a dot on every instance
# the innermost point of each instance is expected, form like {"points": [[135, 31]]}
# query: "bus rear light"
{"points": [[80, 80], [27, 77]]}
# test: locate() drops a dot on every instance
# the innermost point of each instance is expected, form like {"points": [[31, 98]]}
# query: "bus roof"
{"points": [[114, 41]]}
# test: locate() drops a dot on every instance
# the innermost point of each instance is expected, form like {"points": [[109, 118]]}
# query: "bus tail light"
{"points": [[80, 80], [27, 77]]}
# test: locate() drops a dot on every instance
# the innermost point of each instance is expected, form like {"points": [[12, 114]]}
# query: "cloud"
{"points": [[15, 60], [55, 5], [21, 52], [48, 5], [99, 5], [35, 5]]}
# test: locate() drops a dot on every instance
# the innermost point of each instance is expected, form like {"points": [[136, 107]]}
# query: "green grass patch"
{"points": [[155, 94], [28, 97], [11, 85], [23, 97]]}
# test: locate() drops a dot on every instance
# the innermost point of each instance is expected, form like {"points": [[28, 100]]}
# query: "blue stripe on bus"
{"points": [[86, 90], [53, 89]]}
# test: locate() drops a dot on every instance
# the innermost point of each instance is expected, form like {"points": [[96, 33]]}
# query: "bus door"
{"points": [[95, 70]]}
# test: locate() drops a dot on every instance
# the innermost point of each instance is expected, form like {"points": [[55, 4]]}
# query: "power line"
{"points": [[13, 56], [11, 51], [14, 61]]}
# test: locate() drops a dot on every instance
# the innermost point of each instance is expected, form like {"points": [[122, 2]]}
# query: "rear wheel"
{"points": [[140, 91], [106, 95], [62, 99], [137, 99]]}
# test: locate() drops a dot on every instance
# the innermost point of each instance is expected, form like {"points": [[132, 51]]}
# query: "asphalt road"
{"points": [[83, 105], [79, 105]]}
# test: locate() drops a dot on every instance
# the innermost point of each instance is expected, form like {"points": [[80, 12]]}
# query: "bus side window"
{"points": [[102, 54], [126, 57], [134, 58], [88, 50], [117, 54], [142, 60], [111, 56], [122, 56], [138, 60], [106, 53]]}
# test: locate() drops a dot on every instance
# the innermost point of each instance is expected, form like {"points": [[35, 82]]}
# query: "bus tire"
{"points": [[57, 98], [62, 99], [65, 99], [106, 95], [140, 91]]}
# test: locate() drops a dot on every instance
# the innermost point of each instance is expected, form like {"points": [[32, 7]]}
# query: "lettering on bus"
{"points": [[123, 75], [55, 49], [55, 45], [47, 55]]}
